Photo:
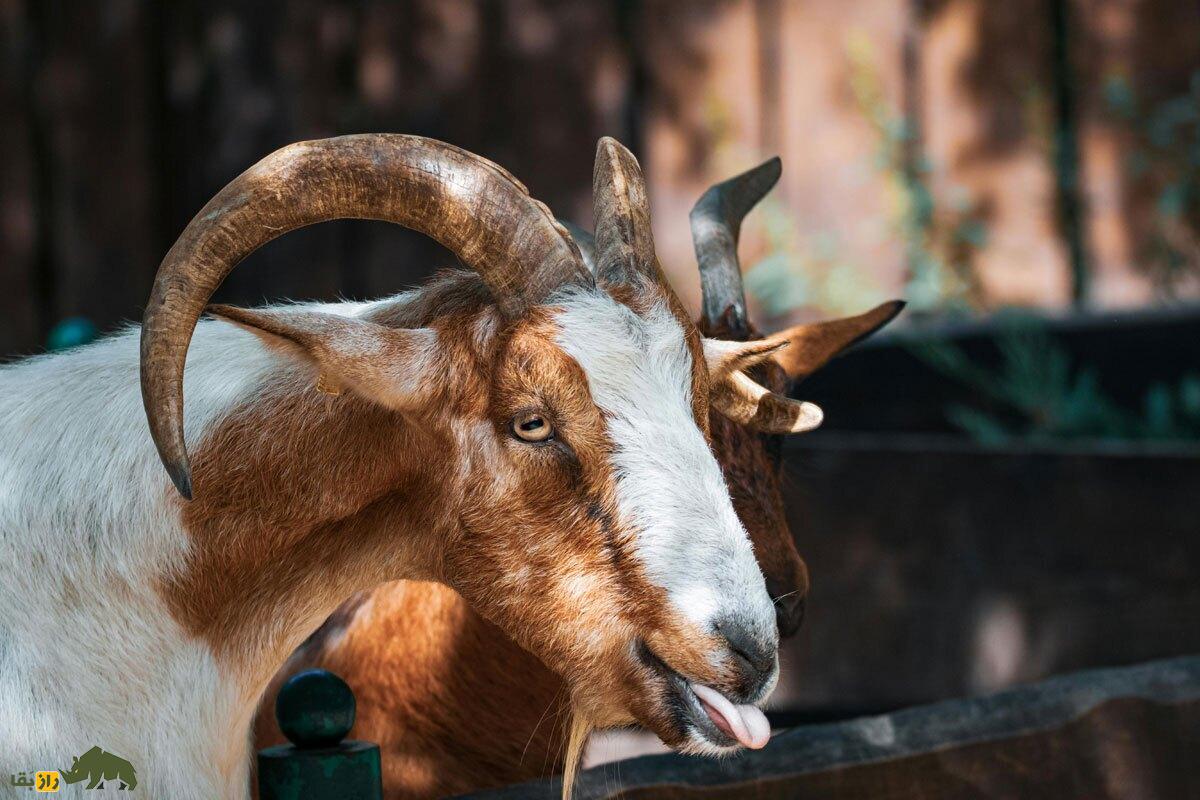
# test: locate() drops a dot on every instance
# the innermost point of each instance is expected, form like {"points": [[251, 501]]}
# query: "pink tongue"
{"points": [[748, 724]]}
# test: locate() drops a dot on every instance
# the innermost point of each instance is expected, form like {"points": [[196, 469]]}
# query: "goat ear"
{"points": [[724, 356], [814, 344], [389, 366]]}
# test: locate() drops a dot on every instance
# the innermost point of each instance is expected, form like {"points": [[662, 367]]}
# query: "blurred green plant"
{"points": [[799, 269], [807, 271], [1164, 162], [1039, 395], [940, 235]]}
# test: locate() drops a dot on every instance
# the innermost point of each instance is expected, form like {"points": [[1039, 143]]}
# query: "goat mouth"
{"points": [[699, 709]]}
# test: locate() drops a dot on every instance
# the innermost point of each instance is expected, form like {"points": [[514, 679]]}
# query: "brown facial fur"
{"points": [[528, 534], [454, 703], [565, 570]]}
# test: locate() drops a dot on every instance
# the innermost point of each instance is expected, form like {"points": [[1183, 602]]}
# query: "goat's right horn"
{"points": [[471, 206], [716, 223]]}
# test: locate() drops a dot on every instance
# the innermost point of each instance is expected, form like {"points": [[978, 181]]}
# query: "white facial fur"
{"points": [[669, 485]]}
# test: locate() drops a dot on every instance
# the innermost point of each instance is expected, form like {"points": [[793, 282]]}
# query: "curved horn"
{"points": [[468, 204], [716, 224], [621, 210]]}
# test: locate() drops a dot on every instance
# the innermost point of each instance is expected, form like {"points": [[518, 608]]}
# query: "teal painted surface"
{"points": [[71, 332], [315, 710]]}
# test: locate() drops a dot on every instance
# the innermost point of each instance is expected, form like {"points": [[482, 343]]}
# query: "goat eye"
{"points": [[530, 426]]}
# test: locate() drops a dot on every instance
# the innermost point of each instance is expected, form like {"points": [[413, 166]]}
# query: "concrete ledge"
{"points": [[1121, 733]]}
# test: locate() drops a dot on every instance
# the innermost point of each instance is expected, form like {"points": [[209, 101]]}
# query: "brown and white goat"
{"points": [[455, 705], [528, 434]]}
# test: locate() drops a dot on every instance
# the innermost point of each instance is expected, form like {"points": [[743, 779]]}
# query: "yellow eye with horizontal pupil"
{"points": [[530, 426]]}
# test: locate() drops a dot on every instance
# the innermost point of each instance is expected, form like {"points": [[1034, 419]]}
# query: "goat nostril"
{"points": [[755, 664], [759, 658]]}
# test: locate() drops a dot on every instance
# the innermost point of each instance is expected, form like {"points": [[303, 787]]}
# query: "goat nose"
{"points": [[789, 612], [757, 656]]}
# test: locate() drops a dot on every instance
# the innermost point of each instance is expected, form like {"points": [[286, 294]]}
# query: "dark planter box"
{"points": [[882, 386], [940, 569]]}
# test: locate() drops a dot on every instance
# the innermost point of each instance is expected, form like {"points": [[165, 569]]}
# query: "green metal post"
{"points": [[315, 711]]}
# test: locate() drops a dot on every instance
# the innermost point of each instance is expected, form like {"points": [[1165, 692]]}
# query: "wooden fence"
{"points": [[119, 118]]}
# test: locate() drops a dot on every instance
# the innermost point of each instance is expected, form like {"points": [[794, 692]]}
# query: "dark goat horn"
{"points": [[468, 204], [716, 223]]}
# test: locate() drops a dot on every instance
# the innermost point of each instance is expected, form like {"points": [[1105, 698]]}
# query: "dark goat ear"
{"points": [[814, 344]]}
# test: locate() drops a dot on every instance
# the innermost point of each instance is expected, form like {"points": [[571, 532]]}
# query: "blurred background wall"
{"points": [[963, 153], [989, 502]]}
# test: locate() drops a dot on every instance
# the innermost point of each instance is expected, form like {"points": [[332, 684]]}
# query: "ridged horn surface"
{"points": [[471, 206], [716, 221], [621, 211]]}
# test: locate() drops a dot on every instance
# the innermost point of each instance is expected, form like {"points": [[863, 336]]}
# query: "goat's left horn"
{"points": [[471, 206], [624, 241], [716, 224]]}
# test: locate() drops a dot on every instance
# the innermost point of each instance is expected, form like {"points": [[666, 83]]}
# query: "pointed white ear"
{"points": [[724, 356], [391, 366]]}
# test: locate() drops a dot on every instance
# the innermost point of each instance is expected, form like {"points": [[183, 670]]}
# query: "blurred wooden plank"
{"points": [[91, 90], [965, 570], [1136, 61], [1105, 734], [19, 250]]}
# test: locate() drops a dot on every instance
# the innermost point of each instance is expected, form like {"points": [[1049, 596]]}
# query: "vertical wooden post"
{"points": [[912, 147], [1066, 149], [629, 19], [768, 17]]}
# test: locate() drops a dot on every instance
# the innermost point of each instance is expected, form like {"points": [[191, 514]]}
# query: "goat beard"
{"points": [[580, 729]]}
